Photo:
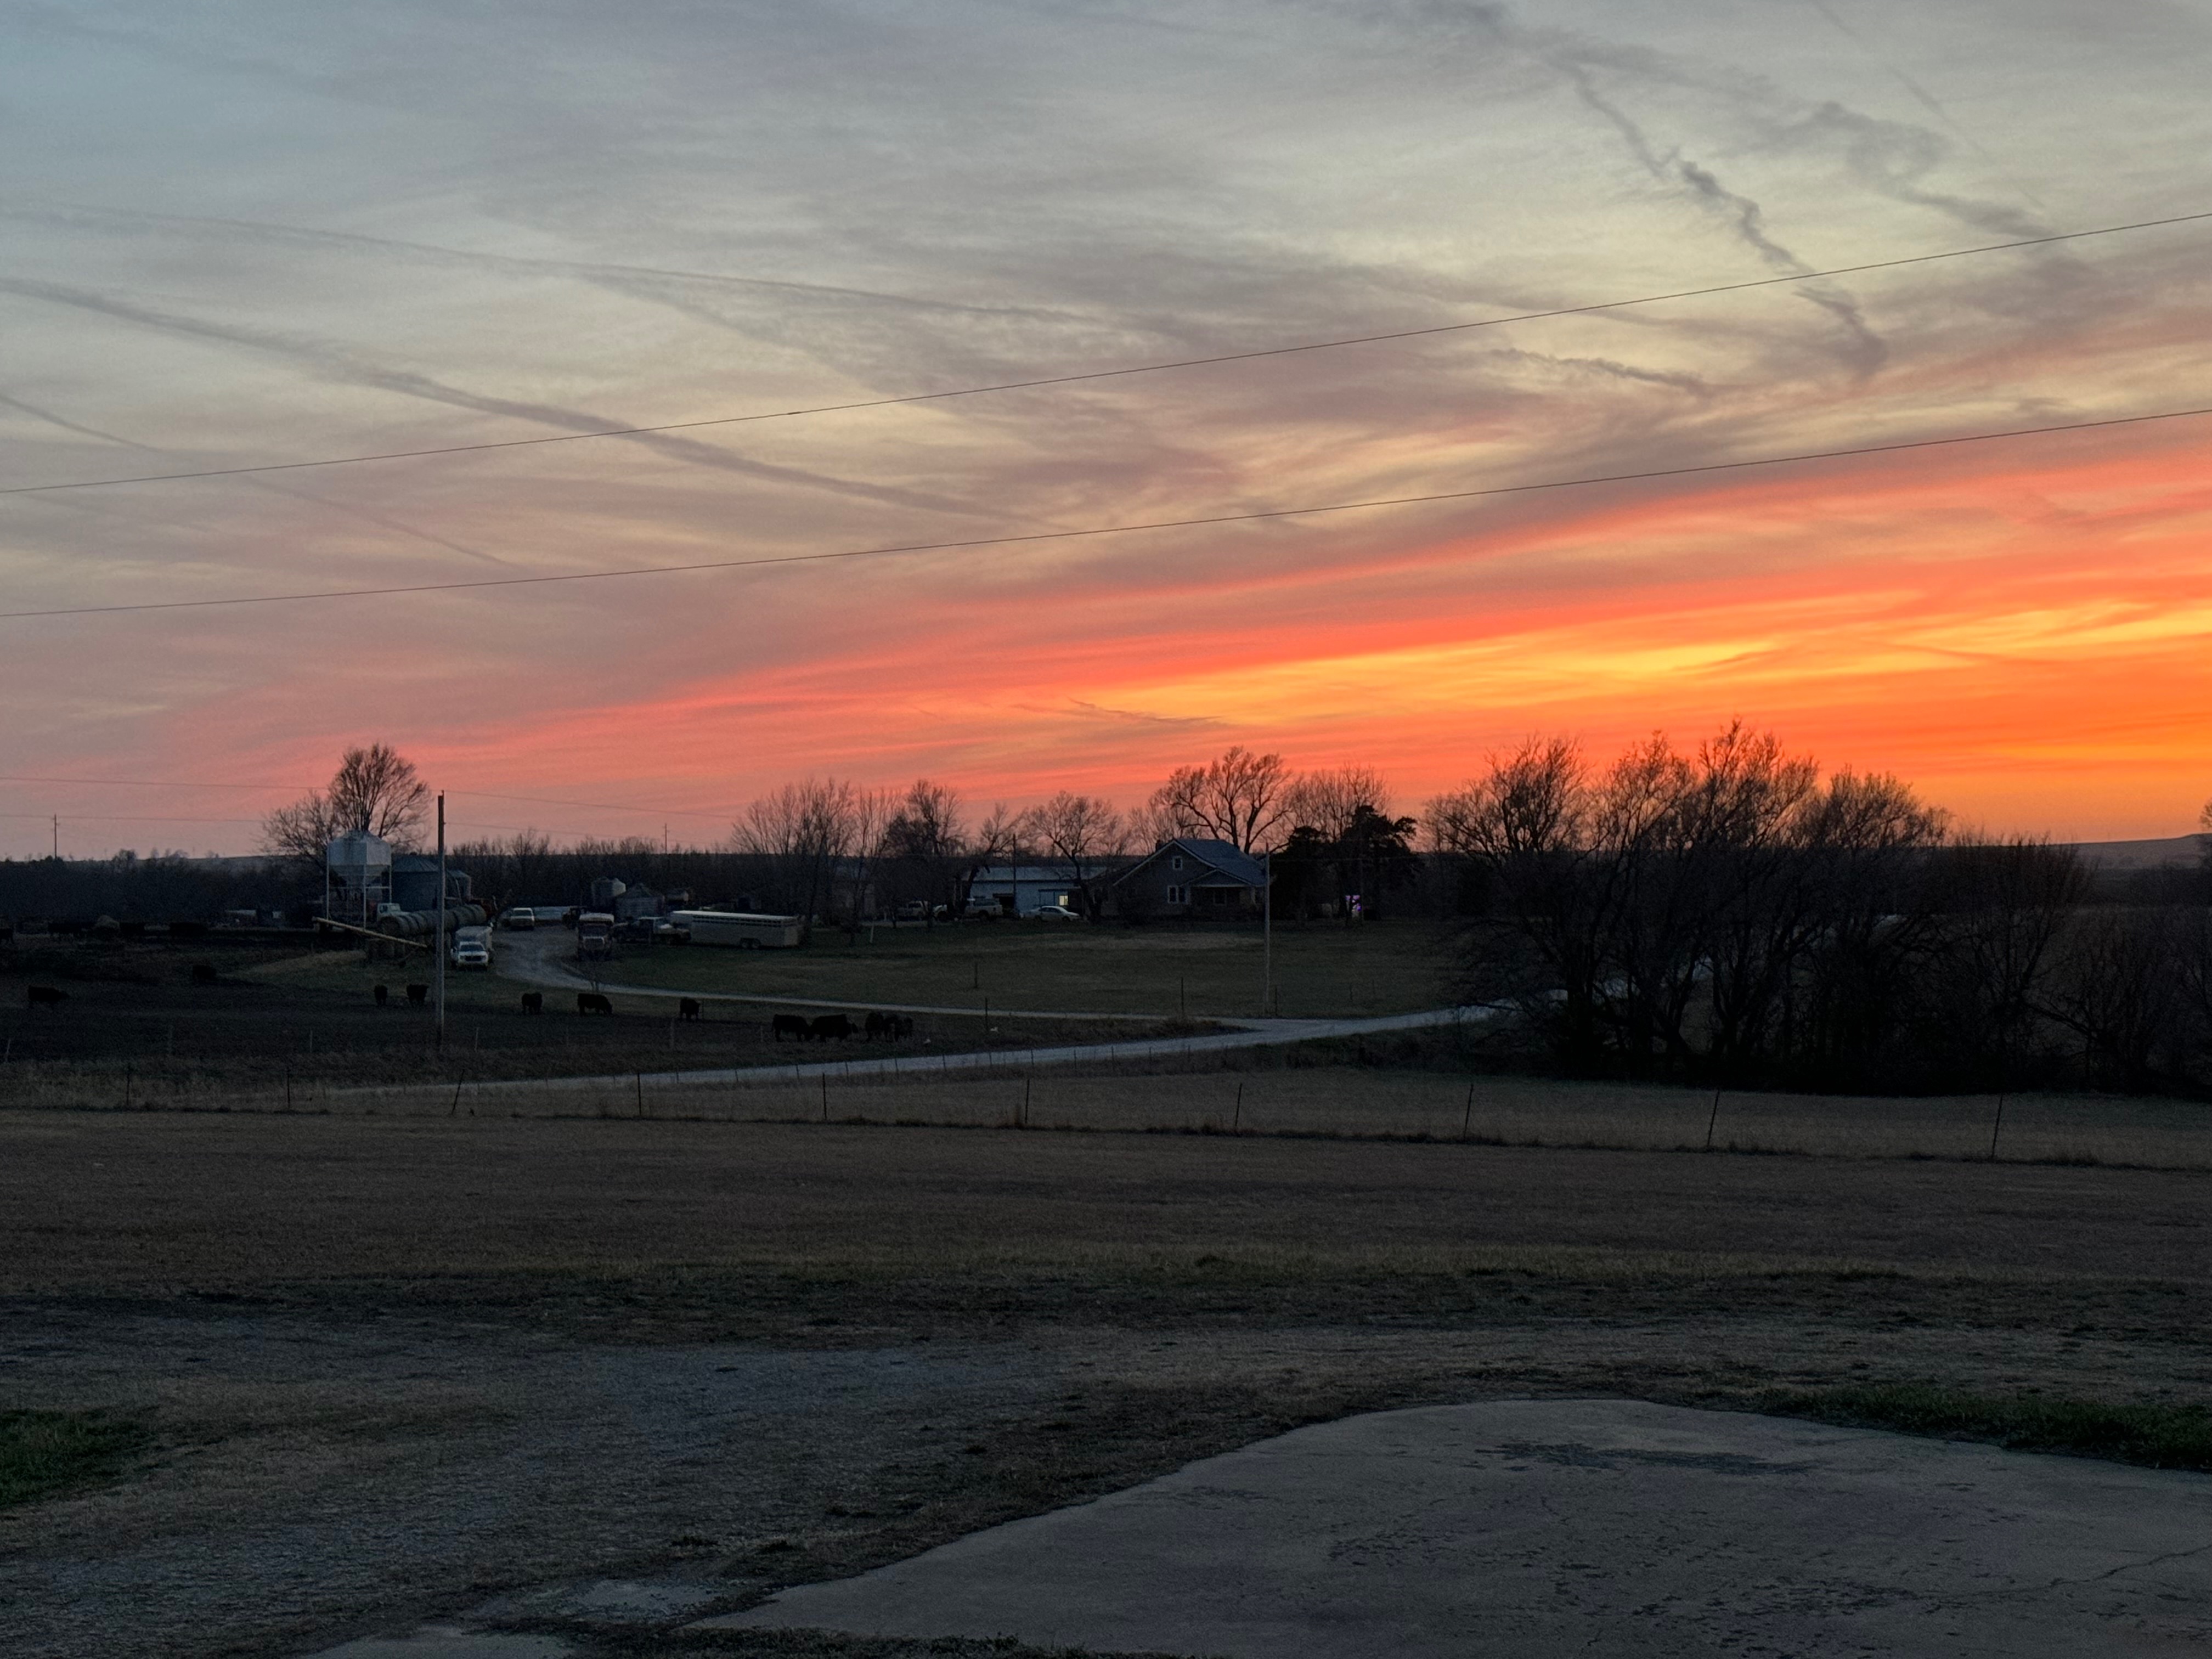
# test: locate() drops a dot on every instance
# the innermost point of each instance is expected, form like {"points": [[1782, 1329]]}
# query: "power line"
{"points": [[149, 783], [120, 817], [479, 794], [1112, 530], [1082, 376]]}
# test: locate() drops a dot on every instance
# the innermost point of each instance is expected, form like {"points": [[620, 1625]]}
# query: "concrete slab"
{"points": [[450, 1642], [1591, 1527]]}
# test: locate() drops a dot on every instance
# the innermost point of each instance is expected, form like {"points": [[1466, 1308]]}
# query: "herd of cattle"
{"points": [[821, 1028]]}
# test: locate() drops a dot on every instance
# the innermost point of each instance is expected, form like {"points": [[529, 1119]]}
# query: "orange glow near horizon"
{"points": [[2031, 647]]}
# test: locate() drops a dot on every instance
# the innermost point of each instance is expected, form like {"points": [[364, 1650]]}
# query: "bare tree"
{"points": [[801, 832], [1685, 909], [374, 790], [1081, 832], [1239, 798], [926, 834], [872, 811], [1329, 801]]}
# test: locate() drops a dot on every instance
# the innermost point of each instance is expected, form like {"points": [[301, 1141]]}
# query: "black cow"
{"points": [[533, 1002], [790, 1025], [418, 995], [46, 996], [687, 1008], [826, 1026], [382, 993], [879, 1024], [204, 973], [901, 1025], [591, 1002]]}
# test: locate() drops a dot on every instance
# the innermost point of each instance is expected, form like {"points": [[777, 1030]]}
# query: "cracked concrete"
{"points": [[1543, 1527]]}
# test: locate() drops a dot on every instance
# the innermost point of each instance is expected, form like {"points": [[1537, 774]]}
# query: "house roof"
{"points": [[1222, 858]]}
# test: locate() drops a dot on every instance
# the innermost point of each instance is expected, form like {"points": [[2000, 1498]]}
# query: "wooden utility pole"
{"points": [[438, 931], [1268, 937]]}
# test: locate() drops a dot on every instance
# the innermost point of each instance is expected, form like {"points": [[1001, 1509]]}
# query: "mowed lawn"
{"points": [[1381, 967]]}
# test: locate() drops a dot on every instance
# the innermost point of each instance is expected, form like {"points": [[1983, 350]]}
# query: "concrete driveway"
{"points": [[1548, 1528]]}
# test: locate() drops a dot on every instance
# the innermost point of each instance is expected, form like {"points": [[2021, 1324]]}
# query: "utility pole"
{"points": [[1268, 937], [438, 932], [57, 838]]}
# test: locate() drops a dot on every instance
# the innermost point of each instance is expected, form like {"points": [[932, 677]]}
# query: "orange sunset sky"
{"points": [[265, 235]]}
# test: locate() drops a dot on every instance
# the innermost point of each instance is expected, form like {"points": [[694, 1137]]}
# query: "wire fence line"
{"points": [[1209, 1094]]}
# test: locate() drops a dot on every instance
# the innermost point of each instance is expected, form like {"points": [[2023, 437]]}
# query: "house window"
{"points": [[1175, 863], [1176, 896]]}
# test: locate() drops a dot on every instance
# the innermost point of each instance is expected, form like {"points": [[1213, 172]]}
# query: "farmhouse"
{"points": [[1192, 876]]}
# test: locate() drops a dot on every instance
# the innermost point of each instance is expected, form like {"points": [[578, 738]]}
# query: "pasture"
{"points": [[1319, 969], [137, 1027], [514, 1348]]}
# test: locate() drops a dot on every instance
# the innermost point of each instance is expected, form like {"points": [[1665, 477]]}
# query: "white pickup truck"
{"points": [[471, 948]]}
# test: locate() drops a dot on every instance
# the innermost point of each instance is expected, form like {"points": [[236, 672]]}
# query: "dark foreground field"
{"points": [[388, 1368]]}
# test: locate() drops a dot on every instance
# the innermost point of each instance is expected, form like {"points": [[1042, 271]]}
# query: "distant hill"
{"points": [[2162, 853]]}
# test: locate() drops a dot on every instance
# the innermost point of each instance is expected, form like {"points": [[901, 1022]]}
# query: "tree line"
{"points": [[1732, 915]]}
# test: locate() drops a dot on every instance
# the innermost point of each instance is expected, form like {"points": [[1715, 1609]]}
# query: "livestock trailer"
{"points": [[741, 928]]}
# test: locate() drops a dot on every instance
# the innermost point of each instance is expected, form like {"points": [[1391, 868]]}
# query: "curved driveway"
{"points": [[533, 964]]}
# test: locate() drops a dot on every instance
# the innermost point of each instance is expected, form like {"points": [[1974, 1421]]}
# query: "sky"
{"points": [[233, 235]]}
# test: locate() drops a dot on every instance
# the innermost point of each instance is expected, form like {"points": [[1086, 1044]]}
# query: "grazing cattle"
{"points": [[382, 993], [687, 1008], [901, 1025], [881, 1025], [204, 973], [418, 995], [790, 1025], [591, 1002], [826, 1026], [47, 996], [533, 1002]]}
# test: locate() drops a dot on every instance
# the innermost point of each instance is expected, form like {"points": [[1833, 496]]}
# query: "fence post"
{"points": [[640, 1091], [1712, 1118], [126, 1085], [1995, 1126], [1238, 1118], [1467, 1118]]}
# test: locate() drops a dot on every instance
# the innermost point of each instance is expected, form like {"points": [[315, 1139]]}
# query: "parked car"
{"points": [[1055, 913], [471, 948], [521, 919], [914, 911]]}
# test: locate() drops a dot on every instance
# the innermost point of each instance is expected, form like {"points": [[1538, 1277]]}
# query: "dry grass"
{"points": [[2159, 1437], [1381, 967], [362, 1316], [1343, 1101], [110, 1201]]}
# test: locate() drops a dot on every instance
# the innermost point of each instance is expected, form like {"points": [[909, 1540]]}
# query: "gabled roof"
{"points": [[1222, 857]]}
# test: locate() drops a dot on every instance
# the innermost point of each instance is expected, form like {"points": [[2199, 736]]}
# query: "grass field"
{"points": [[1321, 969], [505, 1349], [1265, 1093], [43, 1453]]}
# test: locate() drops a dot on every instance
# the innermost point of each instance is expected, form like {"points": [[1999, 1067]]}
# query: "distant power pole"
{"points": [[438, 932], [1268, 937], [58, 837]]}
